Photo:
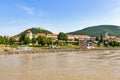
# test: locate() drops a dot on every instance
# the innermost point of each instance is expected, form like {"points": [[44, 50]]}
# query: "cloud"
{"points": [[29, 10]]}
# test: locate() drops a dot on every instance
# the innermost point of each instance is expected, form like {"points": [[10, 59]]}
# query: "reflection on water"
{"points": [[84, 65]]}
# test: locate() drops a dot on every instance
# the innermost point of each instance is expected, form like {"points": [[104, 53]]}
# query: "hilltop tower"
{"points": [[29, 34]]}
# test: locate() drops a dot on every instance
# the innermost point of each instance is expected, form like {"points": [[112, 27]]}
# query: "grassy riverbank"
{"points": [[46, 49]]}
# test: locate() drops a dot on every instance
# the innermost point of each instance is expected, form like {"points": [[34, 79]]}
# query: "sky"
{"points": [[56, 15]]}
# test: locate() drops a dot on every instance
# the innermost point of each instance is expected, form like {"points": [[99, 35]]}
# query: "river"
{"points": [[83, 65]]}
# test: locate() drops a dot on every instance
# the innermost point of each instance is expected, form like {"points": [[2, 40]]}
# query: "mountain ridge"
{"points": [[98, 30]]}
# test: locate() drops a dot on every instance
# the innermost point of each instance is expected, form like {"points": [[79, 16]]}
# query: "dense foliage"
{"points": [[43, 40], [100, 30], [62, 36], [5, 40]]}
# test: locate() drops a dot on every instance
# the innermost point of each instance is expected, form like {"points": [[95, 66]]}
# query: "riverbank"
{"points": [[33, 51]]}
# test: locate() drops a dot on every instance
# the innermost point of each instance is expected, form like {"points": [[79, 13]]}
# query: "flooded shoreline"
{"points": [[80, 65]]}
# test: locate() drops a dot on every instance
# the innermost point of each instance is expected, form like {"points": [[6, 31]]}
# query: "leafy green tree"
{"points": [[1, 40], [56, 42], [101, 39], [6, 40], [22, 38], [33, 40], [11, 40], [41, 40], [62, 36], [27, 40], [97, 38], [48, 41]]}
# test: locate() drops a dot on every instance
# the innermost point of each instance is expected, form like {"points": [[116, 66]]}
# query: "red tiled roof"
{"points": [[82, 36], [108, 37], [52, 35], [70, 35]]}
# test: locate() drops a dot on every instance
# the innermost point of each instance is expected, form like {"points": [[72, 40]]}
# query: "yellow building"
{"points": [[29, 34]]}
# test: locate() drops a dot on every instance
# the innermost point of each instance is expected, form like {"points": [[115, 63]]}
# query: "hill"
{"points": [[39, 30], [100, 30]]}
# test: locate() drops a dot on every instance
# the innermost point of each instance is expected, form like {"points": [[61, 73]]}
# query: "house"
{"points": [[82, 37], [40, 34], [53, 36], [71, 37]]}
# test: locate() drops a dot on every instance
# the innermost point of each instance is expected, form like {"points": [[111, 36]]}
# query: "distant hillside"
{"points": [[39, 30], [99, 30]]}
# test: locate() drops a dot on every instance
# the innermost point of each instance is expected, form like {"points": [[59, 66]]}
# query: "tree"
{"points": [[6, 40], [27, 40], [106, 43], [97, 39], [33, 40], [22, 37], [41, 40], [11, 40], [1, 40], [56, 42], [62, 36], [101, 39], [48, 41]]}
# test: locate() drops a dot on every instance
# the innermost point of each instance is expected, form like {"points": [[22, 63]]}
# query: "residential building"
{"points": [[71, 37], [53, 36], [40, 34]]}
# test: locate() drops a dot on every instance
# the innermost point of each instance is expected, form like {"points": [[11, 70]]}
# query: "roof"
{"points": [[70, 35], [52, 35], [28, 31], [108, 37], [16, 36], [82, 36]]}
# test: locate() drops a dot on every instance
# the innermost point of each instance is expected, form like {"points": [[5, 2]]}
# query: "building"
{"points": [[71, 37], [53, 36], [109, 37], [29, 34], [82, 37], [16, 38], [37, 35]]}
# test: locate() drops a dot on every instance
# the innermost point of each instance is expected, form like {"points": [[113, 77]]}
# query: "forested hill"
{"points": [[100, 30], [39, 30]]}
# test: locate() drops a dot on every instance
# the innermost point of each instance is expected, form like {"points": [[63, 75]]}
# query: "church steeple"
{"points": [[106, 34]]}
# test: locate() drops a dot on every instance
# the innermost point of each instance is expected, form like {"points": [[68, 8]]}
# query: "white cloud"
{"points": [[28, 10]]}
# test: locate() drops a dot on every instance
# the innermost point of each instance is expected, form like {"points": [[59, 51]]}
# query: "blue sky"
{"points": [[56, 15]]}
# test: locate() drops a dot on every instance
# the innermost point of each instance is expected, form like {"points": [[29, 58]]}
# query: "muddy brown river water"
{"points": [[83, 65]]}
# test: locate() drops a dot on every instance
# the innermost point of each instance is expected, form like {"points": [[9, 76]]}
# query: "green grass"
{"points": [[59, 47], [1, 47], [11, 46]]}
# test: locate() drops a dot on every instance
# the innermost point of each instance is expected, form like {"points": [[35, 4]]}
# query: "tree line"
{"points": [[40, 40], [5, 40]]}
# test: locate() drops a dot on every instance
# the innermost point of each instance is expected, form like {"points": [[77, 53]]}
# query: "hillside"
{"points": [[99, 30], [38, 30]]}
